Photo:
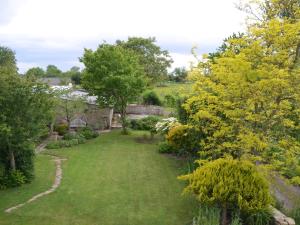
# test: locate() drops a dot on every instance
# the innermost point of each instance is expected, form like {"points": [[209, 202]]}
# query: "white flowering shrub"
{"points": [[166, 124]]}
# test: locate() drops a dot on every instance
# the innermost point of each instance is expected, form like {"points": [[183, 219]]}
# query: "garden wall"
{"points": [[146, 110], [95, 117], [99, 118]]}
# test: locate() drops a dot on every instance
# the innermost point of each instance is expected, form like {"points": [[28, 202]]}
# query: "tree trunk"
{"points": [[151, 135], [12, 160], [123, 120], [51, 128], [69, 124], [224, 215]]}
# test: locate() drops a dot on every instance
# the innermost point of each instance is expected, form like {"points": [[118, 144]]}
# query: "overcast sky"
{"points": [[43, 32]]}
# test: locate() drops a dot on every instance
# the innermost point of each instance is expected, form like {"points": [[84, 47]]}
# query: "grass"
{"points": [[111, 180], [173, 89], [44, 172]]}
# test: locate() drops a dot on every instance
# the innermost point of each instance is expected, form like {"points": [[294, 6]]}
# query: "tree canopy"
{"points": [[114, 74], [53, 71], [26, 110], [151, 57], [7, 61], [37, 72], [179, 74], [75, 74], [246, 100]]}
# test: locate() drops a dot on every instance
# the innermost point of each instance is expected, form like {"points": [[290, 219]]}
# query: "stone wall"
{"points": [[146, 110], [95, 117], [99, 118]]}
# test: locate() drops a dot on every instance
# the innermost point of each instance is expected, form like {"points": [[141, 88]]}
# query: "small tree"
{"points": [[230, 184], [69, 106], [114, 75]]}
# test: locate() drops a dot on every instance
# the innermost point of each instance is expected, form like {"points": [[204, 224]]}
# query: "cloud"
{"points": [[9, 9], [68, 26], [182, 60]]}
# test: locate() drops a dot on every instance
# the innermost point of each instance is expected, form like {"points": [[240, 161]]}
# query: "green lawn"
{"points": [[112, 180], [173, 89]]}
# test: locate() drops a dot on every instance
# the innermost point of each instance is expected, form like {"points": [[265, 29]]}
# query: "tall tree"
{"points": [[25, 113], [37, 72], [114, 74], [75, 74], [53, 71], [154, 60], [7, 61], [247, 103]]}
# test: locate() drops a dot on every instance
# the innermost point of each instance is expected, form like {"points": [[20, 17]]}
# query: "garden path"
{"points": [[55, 185]]}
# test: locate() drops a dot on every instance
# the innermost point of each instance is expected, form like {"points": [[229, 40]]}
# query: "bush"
{"points": [[231, 184], [71, 136], [296, 180], [166, 124], [181, 112], [88, 133], [170, 101], [71, 139], [164, 147], [184, 138], [53, 145], [64, 143], [81, 140], [61, 129], [12, 179], [24, 161], [147, 123], [151, 98]]}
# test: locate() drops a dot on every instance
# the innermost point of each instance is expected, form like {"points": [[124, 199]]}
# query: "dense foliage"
{"points": [[53, 71], [151, 98], [114, 74], [71, 139], [151, 57], [246, 98], [184, 138], [148, 123], [24, 117], [178, 75], [7, 61], [231, 184], [35, 72]]}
